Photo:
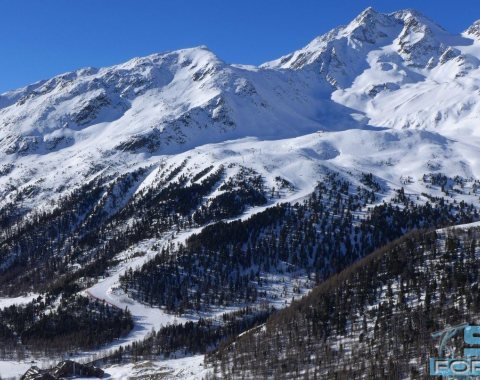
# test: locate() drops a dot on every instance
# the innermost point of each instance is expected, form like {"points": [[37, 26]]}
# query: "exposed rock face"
{"points": [[70, 368], [474, 29], [35, 373], [65, 369]]}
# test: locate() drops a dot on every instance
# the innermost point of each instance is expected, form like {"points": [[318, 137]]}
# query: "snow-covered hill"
{"points": [[187, 97]]}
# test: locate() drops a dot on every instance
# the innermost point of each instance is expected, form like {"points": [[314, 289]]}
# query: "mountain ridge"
{"points": [[192, 88]]}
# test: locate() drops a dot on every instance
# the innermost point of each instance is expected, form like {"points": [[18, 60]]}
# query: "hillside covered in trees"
{"points": [[371, 321], [251, 261], [271, 257], [55, 325]]}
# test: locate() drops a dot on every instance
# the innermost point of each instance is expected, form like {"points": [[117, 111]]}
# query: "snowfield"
{"points": [[6, 302]]}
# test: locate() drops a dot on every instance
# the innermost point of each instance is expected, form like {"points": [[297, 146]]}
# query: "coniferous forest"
{"points": [[373, 320], [51, 325], [240, 261], [283, 251]]}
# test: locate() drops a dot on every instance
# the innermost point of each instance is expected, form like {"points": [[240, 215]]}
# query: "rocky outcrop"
{"points": [[35, 373], [65, 369]]}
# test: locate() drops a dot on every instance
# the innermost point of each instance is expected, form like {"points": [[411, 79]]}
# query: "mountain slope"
{"points": [[397, 297], [165, 98], [399, 70]]}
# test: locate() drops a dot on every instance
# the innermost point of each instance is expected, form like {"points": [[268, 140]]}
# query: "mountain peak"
{"points": [[418, 38], [367, 12], [407, 13], [412, 16], [474, 29], [198, 52], [369, 17]]}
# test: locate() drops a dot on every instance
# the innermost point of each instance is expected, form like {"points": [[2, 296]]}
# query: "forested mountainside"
{"points": [[373, 320], [81, 235], [189, 338], [248, 261], [275, 254]]}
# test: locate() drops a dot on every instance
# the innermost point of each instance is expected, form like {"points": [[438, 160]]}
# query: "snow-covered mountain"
{"points": [[151, 103], [184, 97], [397, 71], [99, 168], [400, 70]]}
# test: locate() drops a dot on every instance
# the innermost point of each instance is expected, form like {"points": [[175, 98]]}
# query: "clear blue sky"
{"points": [[42, 38]]}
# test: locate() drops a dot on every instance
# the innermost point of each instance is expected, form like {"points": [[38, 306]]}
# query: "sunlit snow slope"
{"points": [[396, 71]]}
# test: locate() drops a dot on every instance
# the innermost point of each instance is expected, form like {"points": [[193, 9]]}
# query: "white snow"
{"points": [[6, 302], [189, 368]]}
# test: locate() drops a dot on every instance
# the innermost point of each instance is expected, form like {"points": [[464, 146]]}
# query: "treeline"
{"points": [[233, 263], [51, 326], [373, 320]]}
